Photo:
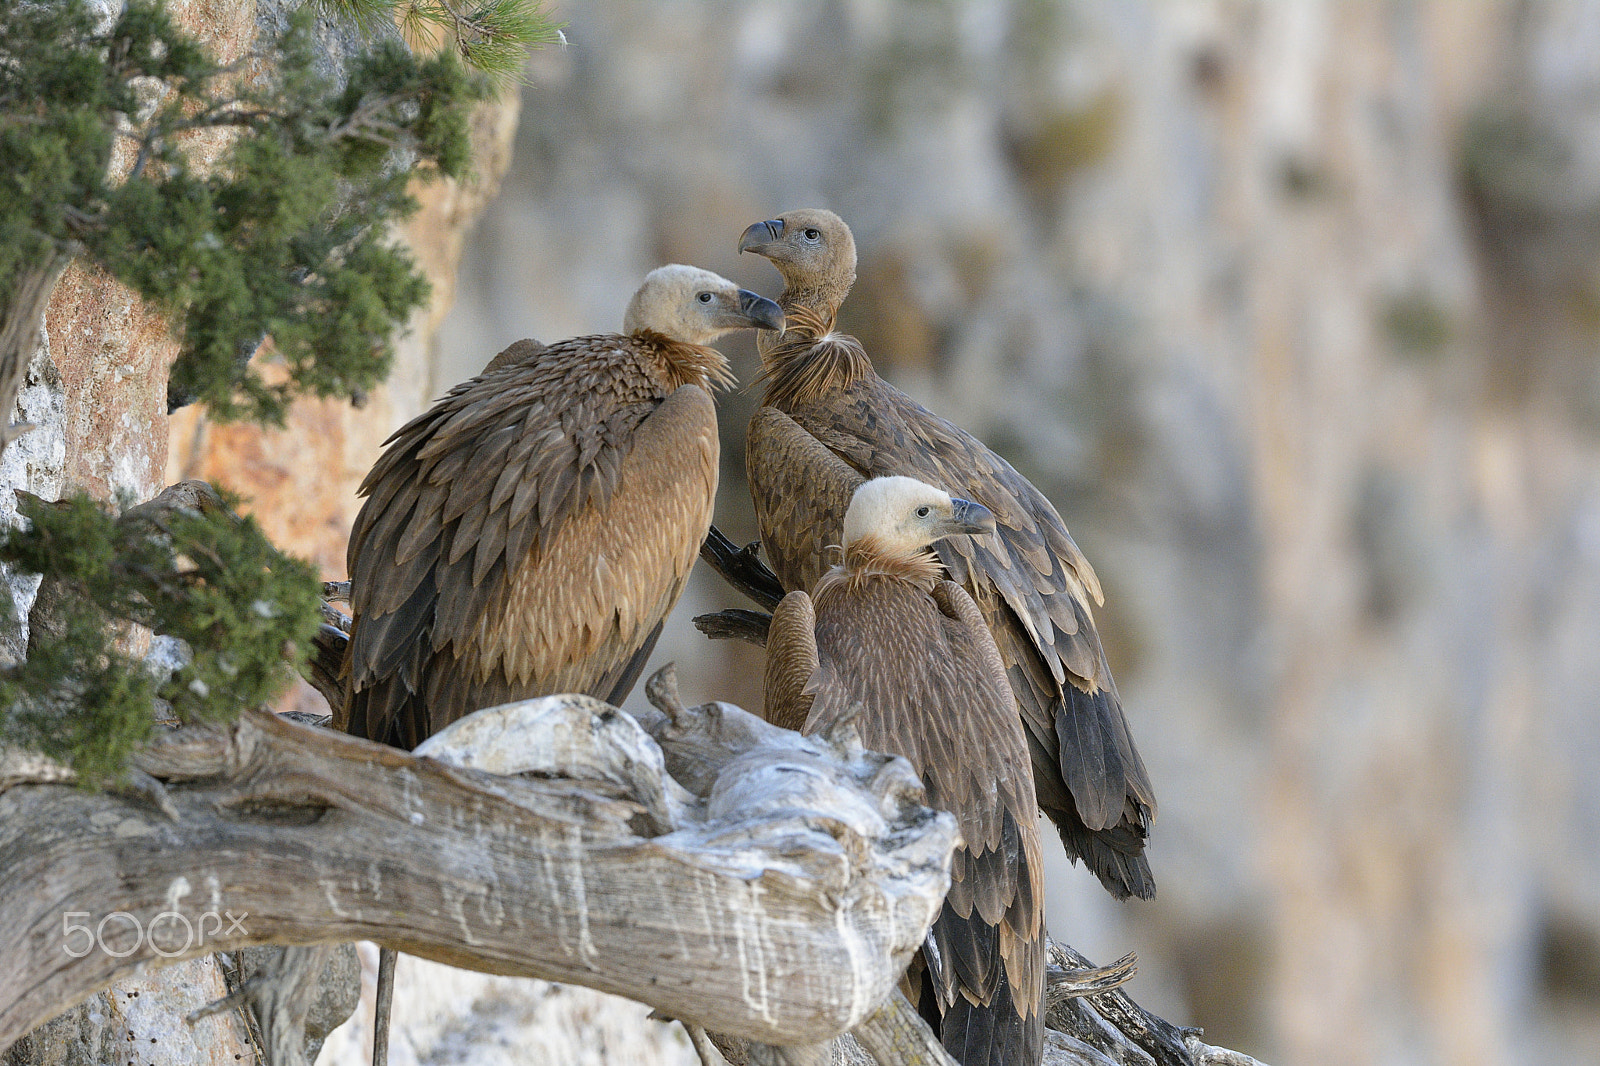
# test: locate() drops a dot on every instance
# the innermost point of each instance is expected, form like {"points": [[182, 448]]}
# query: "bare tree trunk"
{"points": [[20, 330]]}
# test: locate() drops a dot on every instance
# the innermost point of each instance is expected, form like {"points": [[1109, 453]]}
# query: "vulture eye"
{"points": [[922, 512], [704, 297], [812, 235]]}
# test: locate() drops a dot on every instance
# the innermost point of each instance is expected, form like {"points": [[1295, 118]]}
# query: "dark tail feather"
{"points": [[630, 673], [995, 1035], [380, 1012], [1106, 766], [1115, 856], [927, 1001]]}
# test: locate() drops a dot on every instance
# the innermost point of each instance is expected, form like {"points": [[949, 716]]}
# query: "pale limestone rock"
{"points": [[448, 1017], [1324, 420]]}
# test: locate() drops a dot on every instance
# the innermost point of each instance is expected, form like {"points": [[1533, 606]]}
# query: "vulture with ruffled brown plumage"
{"points": [[528, 534], [885, 635], [827, 422]]}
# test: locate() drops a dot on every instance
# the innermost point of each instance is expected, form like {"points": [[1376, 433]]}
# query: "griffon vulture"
{"points": [[528, 534], [886, 630], [827, 422]]}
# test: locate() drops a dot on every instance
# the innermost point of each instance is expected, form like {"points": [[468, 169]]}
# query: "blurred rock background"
{"points": [[1293, 310]]}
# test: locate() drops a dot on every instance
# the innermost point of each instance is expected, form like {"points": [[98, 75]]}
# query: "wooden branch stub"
{"points": [[777, 894], [1111, 1022], [1063, 983], [661, 689], [281, 995], [577, 737], [742, 568], [325, 664], [193, 495], [735, 623], [1207, 1055]]}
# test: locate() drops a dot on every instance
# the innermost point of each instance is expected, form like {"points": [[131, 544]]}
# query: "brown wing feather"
{"points": [[801, 490], [1030, 581], [517, 352], [578, 609], [791, 662], [1018, 908], [496, 501], [933, 689]]}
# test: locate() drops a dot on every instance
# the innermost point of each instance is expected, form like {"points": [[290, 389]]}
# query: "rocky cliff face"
{"points": [[1292, 311], [1290, 308]]}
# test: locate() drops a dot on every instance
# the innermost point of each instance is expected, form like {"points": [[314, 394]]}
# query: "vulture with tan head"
{"points": [[828, 422], [885, 635], [527, 535]]}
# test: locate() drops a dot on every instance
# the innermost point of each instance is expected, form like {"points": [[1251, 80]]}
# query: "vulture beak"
{"points": [[758, 236], [759, 311], [969, 517]]}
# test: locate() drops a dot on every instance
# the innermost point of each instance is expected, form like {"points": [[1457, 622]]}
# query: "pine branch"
{"points": [[491, 37], [308, 190], [184, 565]]}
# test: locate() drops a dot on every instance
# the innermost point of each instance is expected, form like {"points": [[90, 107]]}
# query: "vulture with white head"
{"points": [[527, 535], [886, 636]]}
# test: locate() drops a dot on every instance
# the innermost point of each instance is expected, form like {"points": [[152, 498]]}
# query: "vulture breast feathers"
{"points": [[528, 533], [827, 422], [887, 631]]}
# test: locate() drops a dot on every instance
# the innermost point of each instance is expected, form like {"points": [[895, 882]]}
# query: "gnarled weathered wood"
{"points": [[777, 896]]}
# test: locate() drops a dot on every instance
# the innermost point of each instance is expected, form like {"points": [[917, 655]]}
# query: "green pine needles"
{"points": [[492, 36], [193, 570], [285, 237]]}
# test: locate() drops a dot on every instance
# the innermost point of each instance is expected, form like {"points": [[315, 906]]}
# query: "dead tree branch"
{"points": [[776, 892], [742, 568], [326, 662], [735, 623], [1092, 1022], [20, 326]]}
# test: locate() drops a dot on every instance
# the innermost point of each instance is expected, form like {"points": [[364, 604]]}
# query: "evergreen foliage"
{"points": [[282, 239], [246, 612], [492, 36], [285, 237]]}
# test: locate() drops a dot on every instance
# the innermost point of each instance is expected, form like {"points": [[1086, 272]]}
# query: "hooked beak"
{"points": [[969, 517], [760, 235], [760, 311]]}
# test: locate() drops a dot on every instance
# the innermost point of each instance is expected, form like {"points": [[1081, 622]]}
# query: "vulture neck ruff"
{"points": [[683, 363], [870, 558], [809, 359]]}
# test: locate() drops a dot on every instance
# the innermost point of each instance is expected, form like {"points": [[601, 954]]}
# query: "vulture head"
{"points": [[694, 306], [903, 516], [812, 248]]}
